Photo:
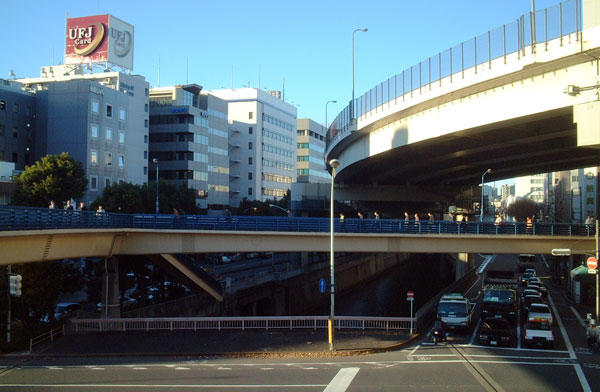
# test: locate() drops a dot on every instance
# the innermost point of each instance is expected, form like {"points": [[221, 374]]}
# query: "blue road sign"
{"points": [[322, 285]]}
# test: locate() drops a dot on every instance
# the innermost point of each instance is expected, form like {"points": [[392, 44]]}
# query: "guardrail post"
{"points": [[290, 324], [315, 324], [30, 345], [243, 326]]}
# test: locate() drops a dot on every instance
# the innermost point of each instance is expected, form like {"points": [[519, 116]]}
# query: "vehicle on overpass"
{"points": [[455, 310]]}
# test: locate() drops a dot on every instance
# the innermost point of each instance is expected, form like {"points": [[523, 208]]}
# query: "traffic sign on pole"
{"points": [[322, 285], [592, 263]]}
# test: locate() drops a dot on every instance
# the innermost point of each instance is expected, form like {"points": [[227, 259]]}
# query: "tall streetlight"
{"points": [[155, 161], [326, 124], [281, 208], [481, 206], [364, 30], [334, 163]]}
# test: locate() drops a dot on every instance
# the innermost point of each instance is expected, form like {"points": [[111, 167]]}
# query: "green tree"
{"points": [[522, 208], [129, 198], [54, 177]]}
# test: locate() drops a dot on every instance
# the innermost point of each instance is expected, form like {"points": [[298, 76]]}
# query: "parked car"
{"points": [[495, 332], [540, 311]]}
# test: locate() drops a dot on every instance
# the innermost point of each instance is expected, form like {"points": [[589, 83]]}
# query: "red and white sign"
{"points": [[99, 39], [592, 263], [410, 294]]}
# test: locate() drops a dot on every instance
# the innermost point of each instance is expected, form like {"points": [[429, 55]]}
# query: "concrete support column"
{"points": [[463, 261], [303, 259], [111, 296]]}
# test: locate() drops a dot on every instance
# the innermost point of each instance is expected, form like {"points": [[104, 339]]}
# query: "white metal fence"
{"points": [[239, 323]]}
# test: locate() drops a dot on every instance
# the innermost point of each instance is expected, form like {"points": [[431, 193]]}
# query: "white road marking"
{"points": [[488, 260], [342, 380], [545, 262], [182, 368], [414, 350], [563, 331], [167, 386], [310, 368], [223, 368], [98, 368], [54, 368], [512, 348], [140, 368], [267, 368], [579, 318], [582, 380]]}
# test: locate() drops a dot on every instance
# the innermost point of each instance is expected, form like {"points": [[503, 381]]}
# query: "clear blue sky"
{"points": [[309, 43]]}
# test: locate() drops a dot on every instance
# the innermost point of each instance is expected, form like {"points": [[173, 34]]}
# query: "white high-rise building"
{"points": [[262, 144]]}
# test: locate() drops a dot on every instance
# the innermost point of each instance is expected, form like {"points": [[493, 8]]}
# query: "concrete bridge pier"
{"points": [[463, 262], [111, 296]]}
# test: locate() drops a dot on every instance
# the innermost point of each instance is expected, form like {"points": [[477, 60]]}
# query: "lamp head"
{"points": [[364, 29], [489, 171], [154, 160], [334, 163]]}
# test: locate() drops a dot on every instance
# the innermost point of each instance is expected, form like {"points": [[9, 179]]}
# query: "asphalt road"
{"points": [[458, 365]]}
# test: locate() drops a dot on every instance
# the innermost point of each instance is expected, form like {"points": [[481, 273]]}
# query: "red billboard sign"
{"points": [[87, 39]]}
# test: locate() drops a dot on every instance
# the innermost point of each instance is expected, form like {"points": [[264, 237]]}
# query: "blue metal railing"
{"points": [[32, 218]]}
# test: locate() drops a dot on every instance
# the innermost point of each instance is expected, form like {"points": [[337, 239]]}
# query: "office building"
{"points": [[310, 154], [100, 119], [262, 144], [17, 124], [189, 138]]}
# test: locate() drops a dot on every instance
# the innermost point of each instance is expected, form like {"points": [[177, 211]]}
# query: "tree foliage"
{"points": [[129, 198], [523, 208], [54, 177]]}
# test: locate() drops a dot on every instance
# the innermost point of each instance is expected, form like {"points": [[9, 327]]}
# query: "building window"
{"points": [[95, 106], [94, 157], [122, 137], [146, 107], [249, 145], [250, 130], [249, 191], [249, 175], [145, 170], [108, 134], [94, 130], [108, 110], [94, 183], [107, 182], [249, 160], [146, 123], [250, 115], [2, 128], [146, 91], [590, 201], [145, 154], [145, 139], [108, 159], [16, 108], [15, 157], [122, 114], [15, 132], [121, 160]]}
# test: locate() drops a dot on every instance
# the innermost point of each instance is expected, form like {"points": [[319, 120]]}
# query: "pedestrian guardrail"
{"points": [[33, 218], [48, 336], [237, 323]]}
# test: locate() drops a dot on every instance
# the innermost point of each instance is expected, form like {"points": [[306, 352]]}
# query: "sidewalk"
{"points": [[225, 343]]}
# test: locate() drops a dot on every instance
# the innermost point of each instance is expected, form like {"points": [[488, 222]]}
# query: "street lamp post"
{"points": [[155, 161], [334, 163], [364, 30], [481, 206], [326, 124], [281, 208]]}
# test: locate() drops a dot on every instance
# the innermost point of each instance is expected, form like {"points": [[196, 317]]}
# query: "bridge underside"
{"points": [[540, 143]]}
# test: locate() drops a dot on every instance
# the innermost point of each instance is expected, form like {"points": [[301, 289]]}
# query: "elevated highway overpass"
{"points": [[502, 100], [39, 234]]}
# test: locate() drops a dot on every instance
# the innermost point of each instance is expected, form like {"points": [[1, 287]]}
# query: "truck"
{"points": [[455, 310], [499, 302], [500, 278], [527, 261]]}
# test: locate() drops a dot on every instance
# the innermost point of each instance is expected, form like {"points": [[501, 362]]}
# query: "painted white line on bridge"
{"points": [[541, 350], [342, 380], [472, 340], [165, 386]]}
